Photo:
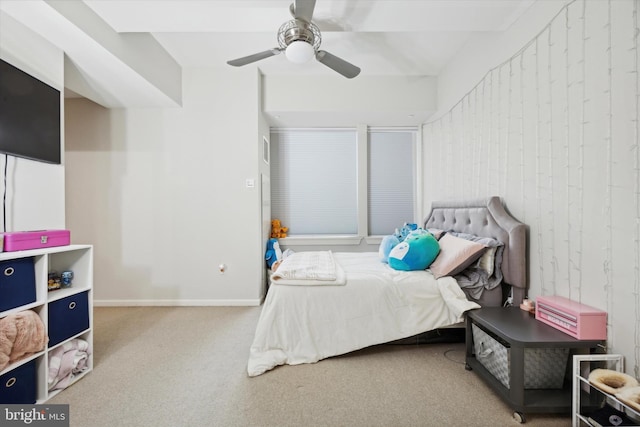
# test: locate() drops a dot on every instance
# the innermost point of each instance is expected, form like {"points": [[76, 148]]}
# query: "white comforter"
{"points": [[304, 324]]}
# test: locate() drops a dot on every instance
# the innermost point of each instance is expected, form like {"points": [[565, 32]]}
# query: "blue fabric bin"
{"points": [[17, 283], [18, 386], [67, 317]]}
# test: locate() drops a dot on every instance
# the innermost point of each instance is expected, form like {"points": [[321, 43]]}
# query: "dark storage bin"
{"points": [[18, 386], [17, 283], [543, 367], [68, 317]]}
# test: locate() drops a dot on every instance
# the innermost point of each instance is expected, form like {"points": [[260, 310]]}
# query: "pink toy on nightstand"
{"points": [[578, 320]]}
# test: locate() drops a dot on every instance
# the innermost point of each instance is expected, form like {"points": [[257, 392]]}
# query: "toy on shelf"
{"points": [[66, 278], [54, 281], [277, 230], [59, 280]]}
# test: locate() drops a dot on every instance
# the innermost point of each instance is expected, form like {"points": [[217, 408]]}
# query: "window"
{"points": [[392, 180], [314, 181], [354, 182]]}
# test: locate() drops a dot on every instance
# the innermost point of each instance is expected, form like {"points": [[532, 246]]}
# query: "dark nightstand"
{"points": [[502, 342]]}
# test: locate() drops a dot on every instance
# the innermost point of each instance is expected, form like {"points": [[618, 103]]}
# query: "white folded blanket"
{"points": [[66, 362], [309, 268]]}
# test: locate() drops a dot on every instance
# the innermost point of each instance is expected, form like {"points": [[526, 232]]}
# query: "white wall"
{"points": [[554, 131], [488, 50], [35, 190], [298, 101], [162, 194]]}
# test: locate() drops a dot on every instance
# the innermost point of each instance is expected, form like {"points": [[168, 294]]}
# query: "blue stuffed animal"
{"points": [[387, 244], [273, 254], [417, 232], [417, 252], [405, 230]]}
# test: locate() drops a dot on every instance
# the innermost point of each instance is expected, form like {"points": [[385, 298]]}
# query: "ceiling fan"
{"points": [[300, 39]]}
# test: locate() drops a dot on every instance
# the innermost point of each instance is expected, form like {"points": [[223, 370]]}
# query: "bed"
{"points": [[376, 304]]}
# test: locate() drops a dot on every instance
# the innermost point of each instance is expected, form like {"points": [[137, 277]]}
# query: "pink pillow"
{"points": [[437, 233], [455, 255]]}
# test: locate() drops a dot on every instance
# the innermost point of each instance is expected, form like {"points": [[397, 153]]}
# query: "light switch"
{"points": [[250, 183]]}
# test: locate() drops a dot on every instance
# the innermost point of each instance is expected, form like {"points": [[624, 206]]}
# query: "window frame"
{"points": [[362, 143]]}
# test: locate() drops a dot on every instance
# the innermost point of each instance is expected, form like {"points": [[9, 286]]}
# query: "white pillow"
{"points": [[488, 260]]}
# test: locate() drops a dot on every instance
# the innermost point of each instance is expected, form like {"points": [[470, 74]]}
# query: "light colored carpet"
{"points": [[186, 366]]}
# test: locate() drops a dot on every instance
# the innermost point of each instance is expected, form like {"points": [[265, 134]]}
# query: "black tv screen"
{"points": [[29, 116]]}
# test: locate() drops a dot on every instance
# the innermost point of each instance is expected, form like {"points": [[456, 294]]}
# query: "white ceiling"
{"points": [[382, 37], [129, 53]]}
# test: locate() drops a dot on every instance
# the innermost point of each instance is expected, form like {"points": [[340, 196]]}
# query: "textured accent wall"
{"points": [[553, 130]]}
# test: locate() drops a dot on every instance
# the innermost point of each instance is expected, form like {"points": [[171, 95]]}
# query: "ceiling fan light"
{"points": [[299, 52]]}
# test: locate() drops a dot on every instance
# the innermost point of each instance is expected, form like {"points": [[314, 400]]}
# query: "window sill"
{"points": [[320, 240], [373, 240]]}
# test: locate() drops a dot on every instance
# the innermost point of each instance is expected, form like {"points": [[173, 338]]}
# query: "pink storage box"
{"points": [[578, 320], [23, 240]]}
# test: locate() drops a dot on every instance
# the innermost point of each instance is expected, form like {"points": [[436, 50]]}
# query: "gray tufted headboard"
{"points": [[488, 218]]}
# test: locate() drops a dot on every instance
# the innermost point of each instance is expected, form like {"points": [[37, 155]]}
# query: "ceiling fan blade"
{"points": [[255, 57], [303, 9], [337, 64]]}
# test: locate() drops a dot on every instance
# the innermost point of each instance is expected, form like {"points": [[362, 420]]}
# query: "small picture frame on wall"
{"points": [[265, 150]]}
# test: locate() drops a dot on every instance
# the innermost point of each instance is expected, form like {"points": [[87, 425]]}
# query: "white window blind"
{"points": [[391, 180], [314, 180]]}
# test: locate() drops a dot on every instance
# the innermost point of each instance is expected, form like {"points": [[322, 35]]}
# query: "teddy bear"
{"points": [[277, 230]]}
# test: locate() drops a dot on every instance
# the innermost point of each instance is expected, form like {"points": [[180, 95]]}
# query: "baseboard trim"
{"points": [[176, 303]]}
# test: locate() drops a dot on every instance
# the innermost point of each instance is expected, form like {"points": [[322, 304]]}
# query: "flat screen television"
{"points": [[29, 116]]}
